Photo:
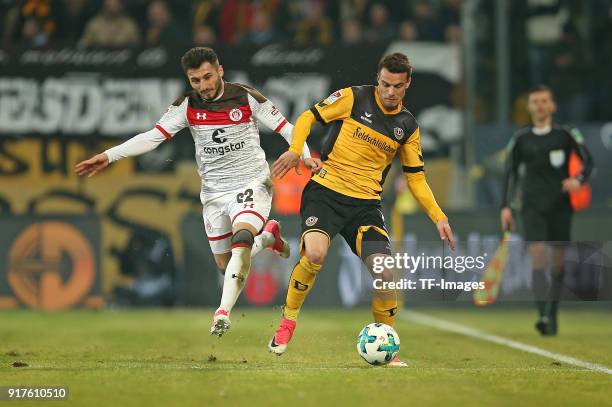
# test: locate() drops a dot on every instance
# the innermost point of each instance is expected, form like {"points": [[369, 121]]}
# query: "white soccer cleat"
{"points": [[274, 347], [221, 323]]}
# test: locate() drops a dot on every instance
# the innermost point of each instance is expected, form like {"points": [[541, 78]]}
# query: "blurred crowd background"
{"points": [[564, 43]]}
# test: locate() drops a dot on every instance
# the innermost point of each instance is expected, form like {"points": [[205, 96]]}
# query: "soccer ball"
{"points": [[378, 344]]}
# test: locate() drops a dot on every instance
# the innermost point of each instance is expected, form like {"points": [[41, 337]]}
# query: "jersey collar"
{"points": [[541, 131]]}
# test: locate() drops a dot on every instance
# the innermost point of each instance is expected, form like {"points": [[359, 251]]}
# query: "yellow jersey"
{"points": [[364, 139]]}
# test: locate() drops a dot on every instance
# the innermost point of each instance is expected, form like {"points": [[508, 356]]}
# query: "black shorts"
{"points": [[551, 225], [359, 221]]}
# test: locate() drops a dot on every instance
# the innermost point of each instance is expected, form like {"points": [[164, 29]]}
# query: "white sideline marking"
{"points": [[475, 333]]}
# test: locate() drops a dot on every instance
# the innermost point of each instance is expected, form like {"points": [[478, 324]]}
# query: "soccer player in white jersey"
{"points": [[236, 190]]}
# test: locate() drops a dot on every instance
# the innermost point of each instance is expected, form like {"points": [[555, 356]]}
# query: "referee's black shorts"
{"points": [[359, 221], [552, 225]]}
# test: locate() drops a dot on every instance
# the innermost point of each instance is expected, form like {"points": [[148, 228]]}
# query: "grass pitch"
{"points": [[157, 357]]}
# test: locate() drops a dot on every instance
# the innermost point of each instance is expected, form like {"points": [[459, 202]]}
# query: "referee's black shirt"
{"points": [[546, 159]]}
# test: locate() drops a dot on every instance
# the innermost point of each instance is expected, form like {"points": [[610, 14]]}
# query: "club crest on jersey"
{"points": [[235, 115], [311, 220], [398, 132], [557, 158]]}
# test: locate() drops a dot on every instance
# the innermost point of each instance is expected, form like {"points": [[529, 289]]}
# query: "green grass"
{"points": [[156, 357]]}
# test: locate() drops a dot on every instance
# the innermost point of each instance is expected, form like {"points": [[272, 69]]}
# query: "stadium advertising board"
{"points": [[118, 93]]}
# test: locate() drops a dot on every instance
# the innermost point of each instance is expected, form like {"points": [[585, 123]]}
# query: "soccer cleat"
{"points": [[552, 326], [281, 246], [221, 323], [282, 336], [546, 326], [396, 362], [541, 325]]}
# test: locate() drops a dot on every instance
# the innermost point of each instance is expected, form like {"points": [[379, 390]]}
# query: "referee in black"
{"points": [[544, 149]]}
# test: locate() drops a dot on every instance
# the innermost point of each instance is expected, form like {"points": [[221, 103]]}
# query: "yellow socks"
{"points": [[384, 306], [301, 282], [384, 302]]}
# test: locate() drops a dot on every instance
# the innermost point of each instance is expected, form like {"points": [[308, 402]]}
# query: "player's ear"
{"points": [[409, 82], [220, 70]]}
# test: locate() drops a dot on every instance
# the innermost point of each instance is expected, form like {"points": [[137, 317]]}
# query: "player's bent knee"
{"points": [[242, 238], [316, 255], [315, 246], [245, 226]]}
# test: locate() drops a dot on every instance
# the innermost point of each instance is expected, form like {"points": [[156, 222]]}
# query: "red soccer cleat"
{"points": [[281, 246], [282, 336]]}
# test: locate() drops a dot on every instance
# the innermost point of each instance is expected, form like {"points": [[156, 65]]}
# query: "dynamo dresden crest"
{"points": [[311, 220], [398, 133]]}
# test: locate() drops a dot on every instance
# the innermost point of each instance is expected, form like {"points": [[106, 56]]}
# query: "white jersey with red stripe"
{"points": [[225, 133], [236, 184]]}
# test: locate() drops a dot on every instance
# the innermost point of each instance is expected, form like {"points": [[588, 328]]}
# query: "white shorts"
{"points": [[250, 204]]}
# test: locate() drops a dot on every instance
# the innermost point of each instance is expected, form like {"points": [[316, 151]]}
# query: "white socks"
{"points": [[235, 277], [238, 269]]}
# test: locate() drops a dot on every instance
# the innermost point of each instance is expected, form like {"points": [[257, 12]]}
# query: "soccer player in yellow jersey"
{"points": [[369, 126]]}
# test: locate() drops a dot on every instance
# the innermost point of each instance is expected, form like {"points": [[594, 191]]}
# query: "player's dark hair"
{"points": [[195, 57], [396, 63], [541, 88]]}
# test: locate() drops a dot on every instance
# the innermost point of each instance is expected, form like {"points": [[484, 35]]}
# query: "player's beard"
{"points": [[218, 89]]}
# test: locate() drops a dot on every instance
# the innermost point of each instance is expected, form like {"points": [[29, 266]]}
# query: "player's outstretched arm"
{"points": [[313, 164], [301, 131], [93, 165], [137, 145], [271, 117], [413, 167], [446, 233], [289, 159], [419, 188]]}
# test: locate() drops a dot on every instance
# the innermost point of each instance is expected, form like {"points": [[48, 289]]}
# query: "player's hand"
{"points": [[507, 221], [92, 166], [313, 164], [285, 162], [446, 233], [570, 184]]}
